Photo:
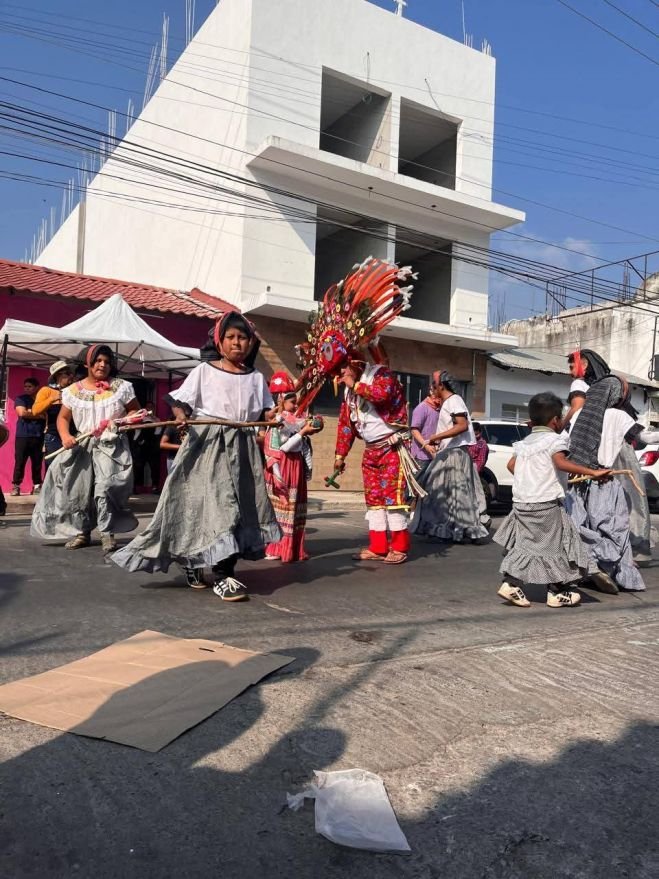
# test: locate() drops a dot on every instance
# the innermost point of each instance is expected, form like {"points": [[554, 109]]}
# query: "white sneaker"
{"points": [[514, 595], [567, 598]]}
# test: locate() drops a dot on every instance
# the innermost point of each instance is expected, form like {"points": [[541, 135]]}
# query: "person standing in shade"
{"points": [[48, 403], [29, 438], [171, 442], [423, 426], [479, 452], [145, 448], [4, 436]]}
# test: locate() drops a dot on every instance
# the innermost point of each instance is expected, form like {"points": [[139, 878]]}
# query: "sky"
{"points": [[577, 117]]}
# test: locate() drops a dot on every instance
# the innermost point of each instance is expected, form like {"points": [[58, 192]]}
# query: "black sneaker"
{"points": [[230, 589], [194, 578]]}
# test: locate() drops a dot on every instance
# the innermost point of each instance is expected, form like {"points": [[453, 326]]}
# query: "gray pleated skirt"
{"points": [[642, 534], [214, 505], [455, 508], [542, 546], [600, 511], [87, 487]]}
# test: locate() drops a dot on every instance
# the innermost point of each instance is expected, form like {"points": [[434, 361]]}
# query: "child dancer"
{"points": [[214, 508], [288, 461], [541, 543]]}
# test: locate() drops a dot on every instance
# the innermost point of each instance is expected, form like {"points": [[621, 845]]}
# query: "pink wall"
{"points": [[188, 331]]}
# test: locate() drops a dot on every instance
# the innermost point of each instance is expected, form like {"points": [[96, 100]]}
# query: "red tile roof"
{"points": [[26, 278]]}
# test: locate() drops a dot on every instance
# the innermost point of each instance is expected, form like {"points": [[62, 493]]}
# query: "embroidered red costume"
{"points": [[352, 314], [368, 412]]}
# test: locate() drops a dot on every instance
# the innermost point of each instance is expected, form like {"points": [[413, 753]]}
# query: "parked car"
{"points": [[648, 458], [500, 436]]}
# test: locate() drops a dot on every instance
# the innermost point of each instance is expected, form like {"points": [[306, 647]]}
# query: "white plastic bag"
{"points": [[353, 809]]}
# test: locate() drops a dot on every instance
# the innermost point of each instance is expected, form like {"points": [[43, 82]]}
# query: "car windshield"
{"points": [[504, 434]]}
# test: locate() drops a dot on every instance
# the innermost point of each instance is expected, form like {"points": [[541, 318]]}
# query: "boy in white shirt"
{"points": [[541, 543]]}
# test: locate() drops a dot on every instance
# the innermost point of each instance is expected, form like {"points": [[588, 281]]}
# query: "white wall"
{"points": [[623, 336], [61, 251], [519, 385], [371, 45]]}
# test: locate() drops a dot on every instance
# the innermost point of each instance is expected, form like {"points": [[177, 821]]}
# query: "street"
{"points": [[514, 743]]}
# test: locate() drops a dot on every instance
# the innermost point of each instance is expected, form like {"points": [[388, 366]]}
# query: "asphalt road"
{"points": [[513, 743]]}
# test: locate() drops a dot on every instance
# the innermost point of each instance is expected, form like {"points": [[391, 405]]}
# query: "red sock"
{"points": [[400, 541], [377, 542]]}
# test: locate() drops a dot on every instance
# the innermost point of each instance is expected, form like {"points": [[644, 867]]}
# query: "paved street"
{"points": [[514, 743]]}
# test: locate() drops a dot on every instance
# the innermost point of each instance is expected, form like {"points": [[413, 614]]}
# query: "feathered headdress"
{"points": [[350, 317]]}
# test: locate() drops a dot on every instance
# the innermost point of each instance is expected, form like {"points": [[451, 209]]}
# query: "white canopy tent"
{"points": [[141, 351]]}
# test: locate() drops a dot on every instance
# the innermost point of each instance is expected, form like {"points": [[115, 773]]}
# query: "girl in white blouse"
{"points": [[214, 508]]}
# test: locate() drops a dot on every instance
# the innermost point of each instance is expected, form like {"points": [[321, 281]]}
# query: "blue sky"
{"points": [[577, 113]]}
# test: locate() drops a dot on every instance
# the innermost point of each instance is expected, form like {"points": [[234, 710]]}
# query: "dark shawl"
{"points": [[605, 391]]}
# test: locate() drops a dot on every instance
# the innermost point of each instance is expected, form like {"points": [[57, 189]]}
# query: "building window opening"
{"points": [[432, 259], [428, 144], [355, 121], [342, 240]]}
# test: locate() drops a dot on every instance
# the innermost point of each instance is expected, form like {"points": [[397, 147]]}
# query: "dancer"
{"points": [[541, 543], [214, 508], [602, 511], [374, 401], [48, 402], [288, 464], [349, 319], [455, 508], [89, 485], [423, 425], [586, 367], [579, 365]]}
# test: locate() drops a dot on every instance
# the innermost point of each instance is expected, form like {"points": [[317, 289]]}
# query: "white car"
{"points": [[648, 458], [500, 436]]}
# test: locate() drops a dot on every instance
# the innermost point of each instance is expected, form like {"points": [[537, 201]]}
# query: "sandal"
{"points": [[78, 542], [393, 557], [365, 555]]}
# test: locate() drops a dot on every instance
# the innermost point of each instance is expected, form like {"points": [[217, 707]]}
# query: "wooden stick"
{"points": [[83, 436], [628, 473], [221, 421]]}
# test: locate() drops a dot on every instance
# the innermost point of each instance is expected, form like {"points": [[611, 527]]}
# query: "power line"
{"points": [[245, 152], [606, 31], [631, 18], [521, 267]]}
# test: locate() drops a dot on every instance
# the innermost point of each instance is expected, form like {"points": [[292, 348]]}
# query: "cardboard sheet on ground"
{"points": [[143, 692]]}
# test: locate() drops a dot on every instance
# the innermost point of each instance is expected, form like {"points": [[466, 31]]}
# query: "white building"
{"points": [[330, 103], [623, 333], [516, 374]]}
